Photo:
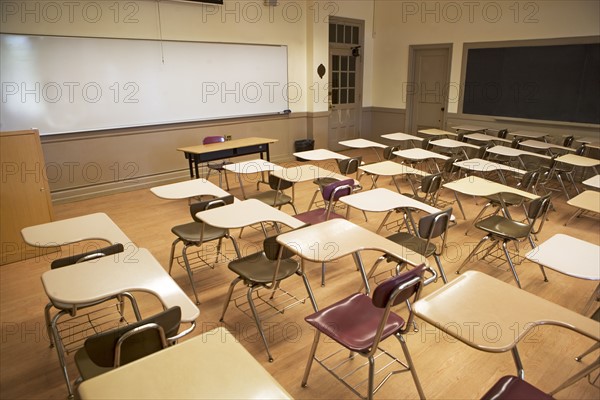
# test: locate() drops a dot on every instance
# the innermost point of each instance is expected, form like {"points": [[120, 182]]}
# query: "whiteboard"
{"points": [[74, 84]]}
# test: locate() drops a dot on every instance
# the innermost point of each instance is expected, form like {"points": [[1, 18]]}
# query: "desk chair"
{"points": [[67, 335], [331, 194], [513, 388], [430, 227], [360, 323], [502, 133], [347, 166], [111, 349], [275, 197], [216, 166], [428, 190], [267, 269], [197, 233], [528, 183], [564, 172], [504, 229]]}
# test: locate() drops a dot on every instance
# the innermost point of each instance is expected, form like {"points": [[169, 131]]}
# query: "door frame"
{"points": [[359, 75], [412, 59]]}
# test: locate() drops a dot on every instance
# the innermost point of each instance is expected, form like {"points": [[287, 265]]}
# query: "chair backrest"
{"points": [[435, 225], [449, 169], [130, 342], [502, 133], [90, 255], [350, 165], [213, 139], [481, 152], [276, 183], [425, 144], [332, 192], [530, 180], [388, 152], [515, 142], [580, 150], [568, 141], [271, 249], [399, 288], [537, 209], [461, 137], [208, 204]]}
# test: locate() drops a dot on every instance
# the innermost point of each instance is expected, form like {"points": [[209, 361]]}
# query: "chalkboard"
{"points": [[74, 84], [556, 82]]}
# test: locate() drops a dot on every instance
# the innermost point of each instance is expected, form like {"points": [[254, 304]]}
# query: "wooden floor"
{"points": [[447, 368]]}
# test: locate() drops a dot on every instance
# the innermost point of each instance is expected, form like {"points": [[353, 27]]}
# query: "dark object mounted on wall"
{"points": [[356, 51], [321, 70]]}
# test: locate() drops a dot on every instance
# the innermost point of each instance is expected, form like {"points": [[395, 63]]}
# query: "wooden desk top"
{"points": [[306, 172], [96, 226], [390, 168], [437, 132], [485, 138], [470, 128], [490, 315], [511, 152], [451, 144], [578, 161], [587, 200], [400, 137], [419, 154], [337, 238], [480, 165], [568, 255], [529, 134], [382, 199], [188, 189], [594, 182], [320, 155], [227, 145], [246, 213], [476, 186], [537, 144], [132, 270], [210, 366], [361, 144], [251, 166]]}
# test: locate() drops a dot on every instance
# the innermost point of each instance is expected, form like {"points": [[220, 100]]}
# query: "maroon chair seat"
{"points": [[513, 388], [360, 323], [313, 217]]}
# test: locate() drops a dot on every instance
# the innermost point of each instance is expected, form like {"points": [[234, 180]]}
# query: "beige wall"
{"points": [[390, 27]]}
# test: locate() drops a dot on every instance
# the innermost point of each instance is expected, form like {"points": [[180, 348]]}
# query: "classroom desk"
{"points": [[536, 144], [490, 315], [417, 155], [320, 155], [218, 151], [363, 144], [438, 133], [188, 189], [480, 187], [96, 226], [513, 153], [451, 144], [480, 137], [470, 128], [480, 165], [213, 365], [95, 280], [385, 200], [246, 213], [391, 169], [336, 238], [593, 182], [579, 161], [529, 135], [251, 167], [586, 201], [402, 137]]}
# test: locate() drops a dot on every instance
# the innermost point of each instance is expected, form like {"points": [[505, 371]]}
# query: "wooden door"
{"points": [[427, 91], [345, 81], [24, 193]]}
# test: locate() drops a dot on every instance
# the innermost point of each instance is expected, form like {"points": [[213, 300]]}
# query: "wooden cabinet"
{"points": [[24, 192]]}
